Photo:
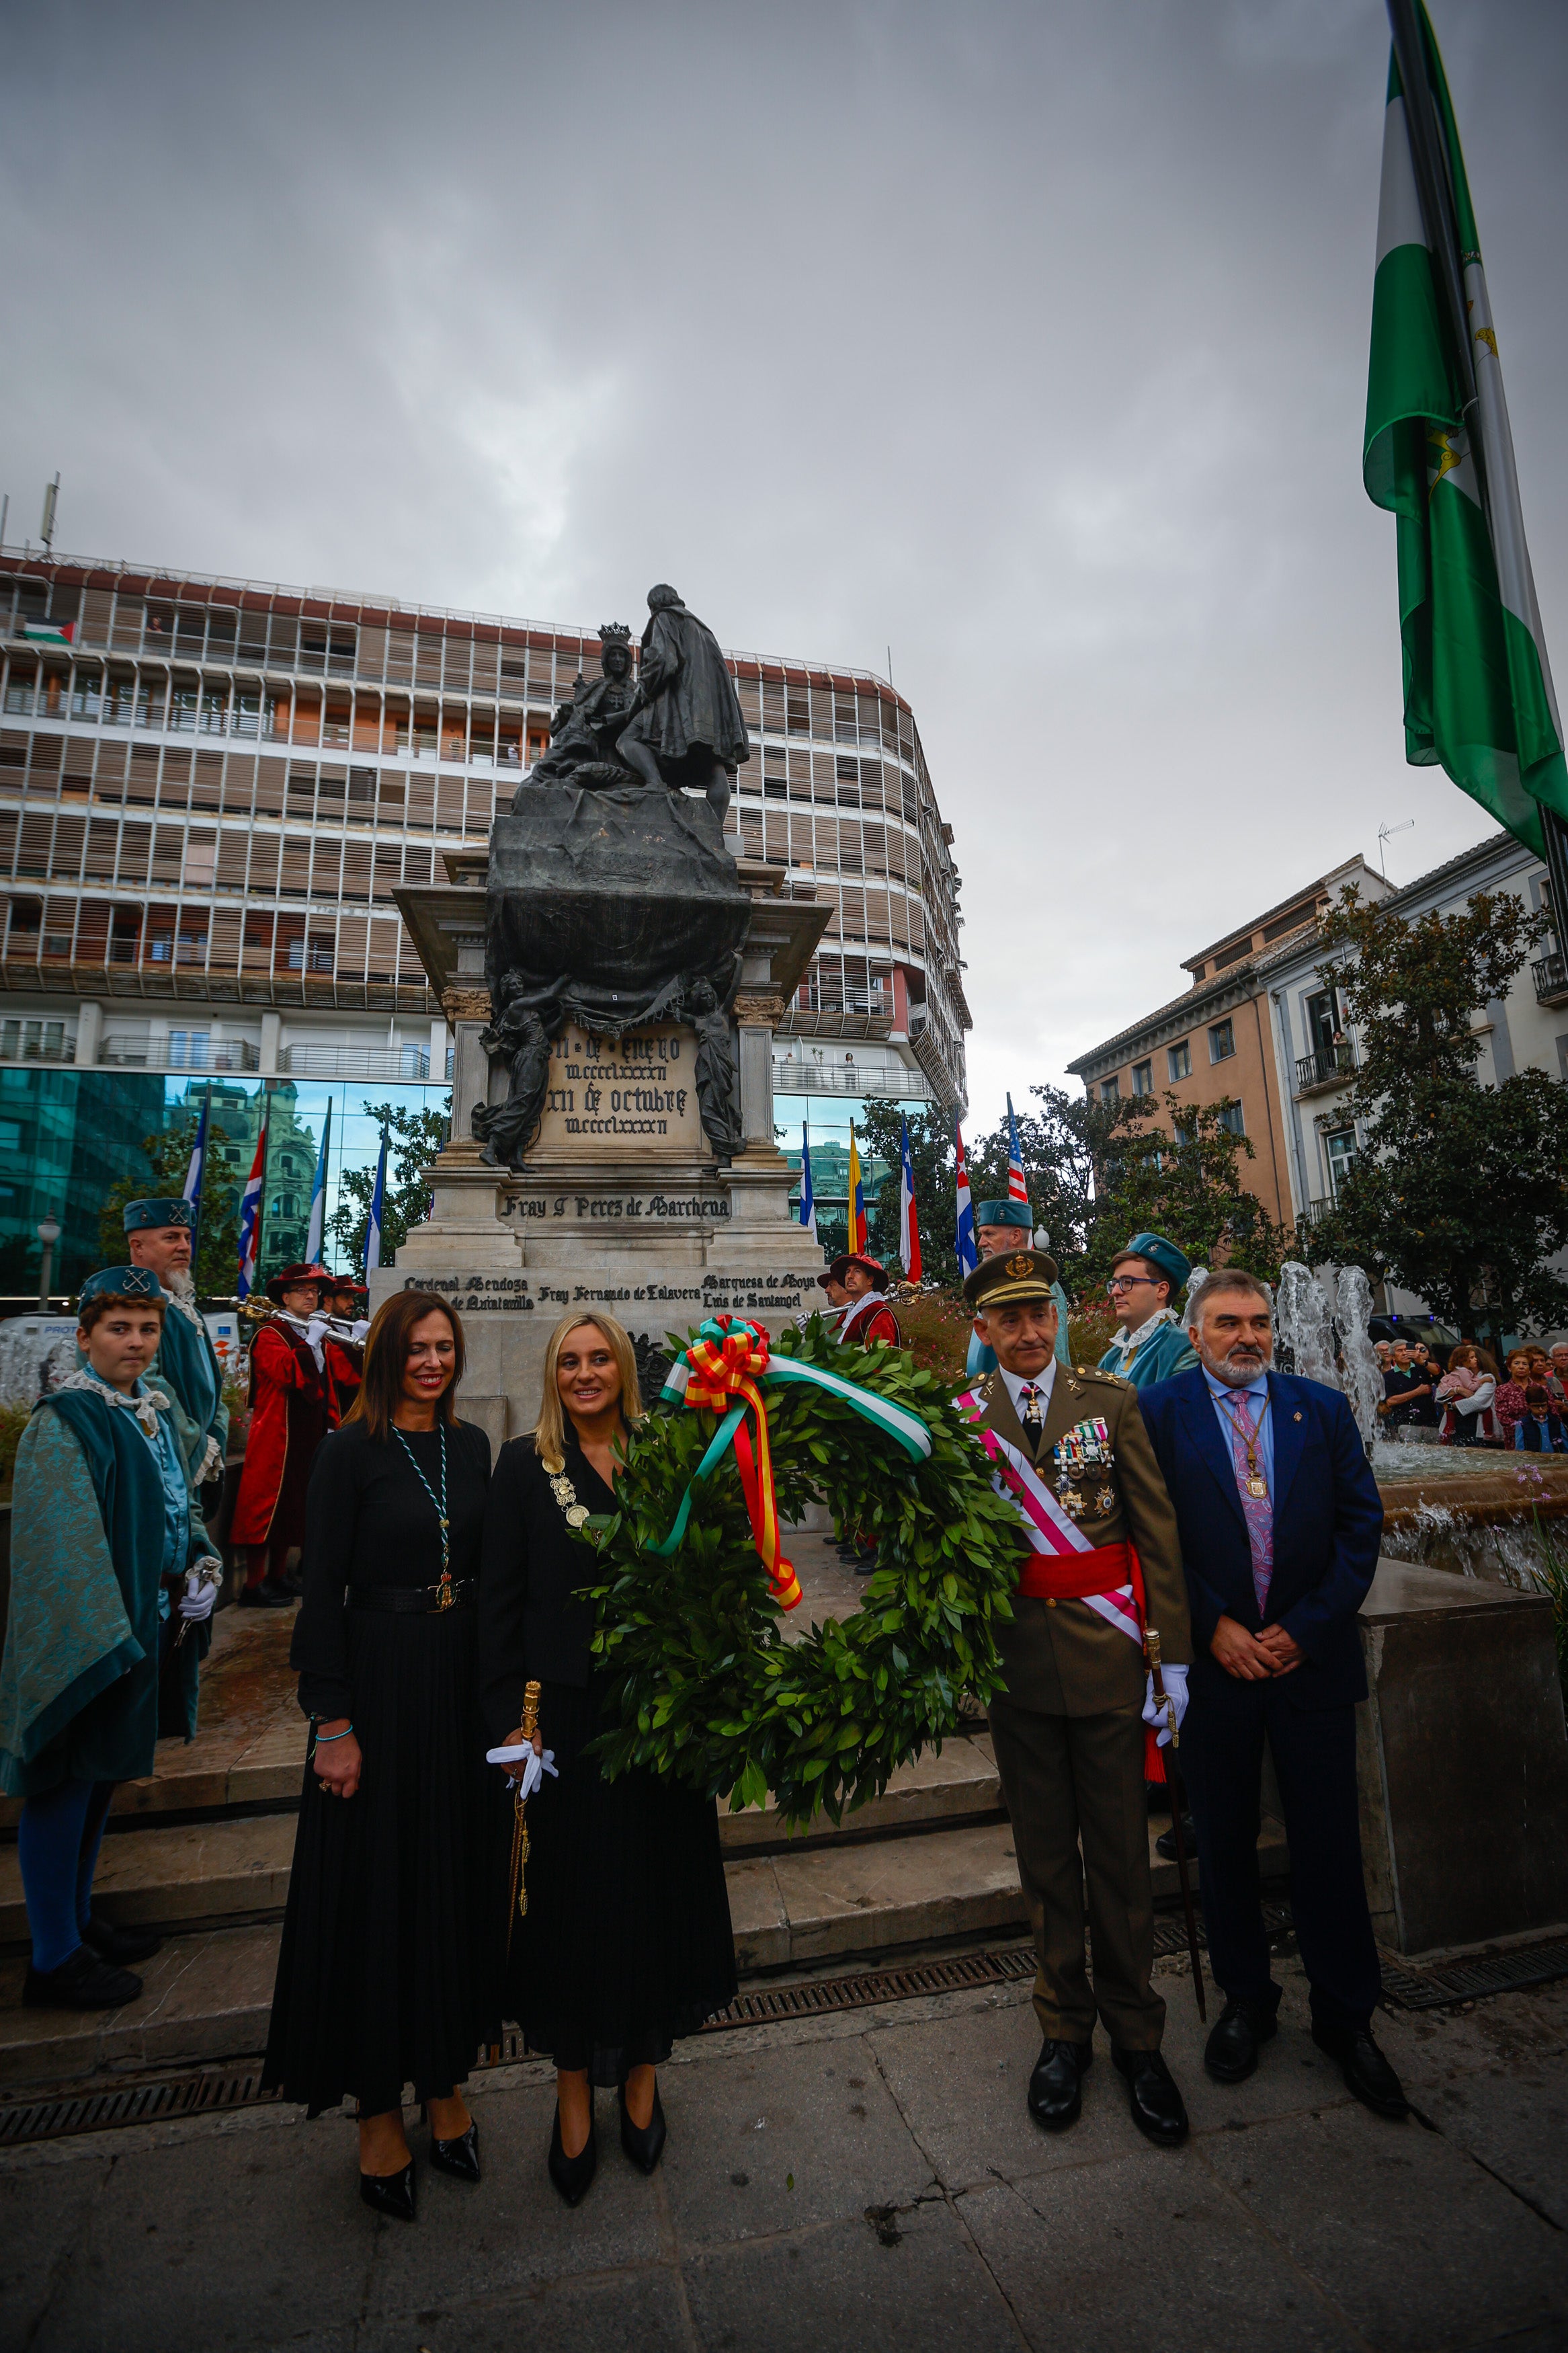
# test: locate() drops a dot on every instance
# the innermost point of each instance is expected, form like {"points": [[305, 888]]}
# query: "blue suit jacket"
{"points": [[1327, 1525]]}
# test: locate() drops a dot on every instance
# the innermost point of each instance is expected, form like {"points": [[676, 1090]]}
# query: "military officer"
{"points": [[1102, 1561], [158, 1235], [1008, 1226], [1146, 1279]]}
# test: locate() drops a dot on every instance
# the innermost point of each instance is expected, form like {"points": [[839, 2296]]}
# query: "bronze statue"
{"points": [[687, 729], [585, 731]]}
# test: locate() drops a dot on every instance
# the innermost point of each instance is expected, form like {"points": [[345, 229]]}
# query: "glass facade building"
{"points": [[209, 789]]}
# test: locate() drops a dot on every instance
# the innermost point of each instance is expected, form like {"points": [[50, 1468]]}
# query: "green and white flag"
{"points": [[1477, 687]]}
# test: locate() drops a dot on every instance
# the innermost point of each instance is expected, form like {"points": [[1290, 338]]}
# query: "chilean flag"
{"points": [[909, 1217], [1016, 1188], [963, 1233], [250, 1214]]}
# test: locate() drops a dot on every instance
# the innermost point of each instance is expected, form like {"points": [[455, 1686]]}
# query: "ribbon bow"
{"points": [[721, 1373]]}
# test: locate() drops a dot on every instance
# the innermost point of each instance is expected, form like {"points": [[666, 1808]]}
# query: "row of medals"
{"points": [[1087, 1443]]}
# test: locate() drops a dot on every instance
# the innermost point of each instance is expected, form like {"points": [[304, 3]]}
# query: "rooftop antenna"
{"points": [[1385, 834], [51, 500], [890, 665], [4, 515]]}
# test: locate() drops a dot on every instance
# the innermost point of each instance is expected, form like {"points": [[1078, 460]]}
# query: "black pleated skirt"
{"points": [[383, 1972], [627, 1943]]}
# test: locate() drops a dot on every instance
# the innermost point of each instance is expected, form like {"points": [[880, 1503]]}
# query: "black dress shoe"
{"points": [[1366, 2072], [1056, 2096], [390, 2193], [644, 2143], [1231, 2053], [119, 1944], [1165, 1843], [459, 2157], [265, 1595], [84, 1982], [572, 2175], [1156, 2105]]}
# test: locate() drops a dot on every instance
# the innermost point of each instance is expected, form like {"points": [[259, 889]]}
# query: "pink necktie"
{"points": [[1257, 1510]]}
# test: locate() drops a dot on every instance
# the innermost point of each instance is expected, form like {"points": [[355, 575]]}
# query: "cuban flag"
{"points": [[250, 1214], [377, 1212], [964, 1232], [909, 1217], [316, 1231], [1016, 1188], [807, 1195], [856, 1198]]}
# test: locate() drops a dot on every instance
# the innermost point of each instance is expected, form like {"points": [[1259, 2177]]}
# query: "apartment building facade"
{"points": [[209, 789]]}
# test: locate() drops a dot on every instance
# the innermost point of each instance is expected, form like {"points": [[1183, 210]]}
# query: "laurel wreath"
{"points": [[704, 1684]]}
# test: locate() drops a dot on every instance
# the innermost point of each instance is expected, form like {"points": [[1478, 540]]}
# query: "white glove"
{"points": [[1154, 1711], [316, 1330], [359, 1332], [201, 1590], [534, 1768]]}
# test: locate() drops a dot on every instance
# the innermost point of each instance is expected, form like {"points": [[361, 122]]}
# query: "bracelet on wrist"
{"points": [[333, 1736]]}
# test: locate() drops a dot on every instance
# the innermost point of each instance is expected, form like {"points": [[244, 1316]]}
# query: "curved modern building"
{"points": [[209, 789]]}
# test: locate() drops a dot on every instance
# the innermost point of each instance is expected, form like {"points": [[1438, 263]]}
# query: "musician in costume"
{"points": [[292, 1408], [344, 1305], [1146, 1281], [109, 1561], [868, 1318], [158, 1234], [1098, 1562], [1010, 1226]]}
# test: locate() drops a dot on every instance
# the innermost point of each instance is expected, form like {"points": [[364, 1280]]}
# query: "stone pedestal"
{"points": [[621, 1203], [1463, 1761]]}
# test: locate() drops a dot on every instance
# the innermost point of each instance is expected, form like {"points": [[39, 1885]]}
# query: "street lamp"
{"points": [[49, 1234]]}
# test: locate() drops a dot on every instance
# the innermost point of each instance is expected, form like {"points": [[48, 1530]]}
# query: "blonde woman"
{"points": [[626, 1941]]}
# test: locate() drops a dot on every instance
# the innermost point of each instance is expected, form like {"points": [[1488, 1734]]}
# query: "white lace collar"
{"points": [[143, 1403]]}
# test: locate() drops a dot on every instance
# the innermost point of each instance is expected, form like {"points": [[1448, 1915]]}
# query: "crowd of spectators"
{"points": [[1461, 1396]]}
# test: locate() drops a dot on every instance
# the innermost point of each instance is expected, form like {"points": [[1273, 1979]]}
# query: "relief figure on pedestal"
{"points": [[506, 1129], [715, 1073]]}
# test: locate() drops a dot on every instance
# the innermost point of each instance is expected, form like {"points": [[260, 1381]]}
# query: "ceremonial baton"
{"points": [[1174, 1782], [517, 1903]]}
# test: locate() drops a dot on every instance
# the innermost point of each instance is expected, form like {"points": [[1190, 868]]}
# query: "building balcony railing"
{"points": [[794, 1077], [1318, 1210], [191, 1054], [1328, 1067], [354, 1062], [22, 1040], [1550, 974]]}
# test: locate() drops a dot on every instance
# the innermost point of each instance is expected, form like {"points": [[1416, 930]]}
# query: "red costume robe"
{"points": [[869, 1319], [293, 1407]]}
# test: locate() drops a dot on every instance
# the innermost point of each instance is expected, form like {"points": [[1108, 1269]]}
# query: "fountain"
{"points": [[1304, 1323], [1362, 1373]]}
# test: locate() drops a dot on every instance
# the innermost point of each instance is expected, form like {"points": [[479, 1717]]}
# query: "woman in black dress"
{"points": [[627, 1940], [380, 1974]]}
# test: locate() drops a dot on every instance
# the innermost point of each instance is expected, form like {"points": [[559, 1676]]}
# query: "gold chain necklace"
{"points": [[563, 1490]]}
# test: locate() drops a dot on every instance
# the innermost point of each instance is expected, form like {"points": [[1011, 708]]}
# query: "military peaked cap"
{"points": [[1011, 1279]]}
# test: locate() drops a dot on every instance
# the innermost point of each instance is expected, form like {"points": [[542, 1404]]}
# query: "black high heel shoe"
{"points": [[390, 2193], [458, 2157], [572, 2175], [644, 2143]]}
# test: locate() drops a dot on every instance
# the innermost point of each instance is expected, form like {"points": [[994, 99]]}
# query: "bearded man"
{"points": [[158, 1234]]}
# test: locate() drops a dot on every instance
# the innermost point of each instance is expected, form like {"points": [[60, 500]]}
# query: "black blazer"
{"points": [[533, 1623], [1328, 1523]]}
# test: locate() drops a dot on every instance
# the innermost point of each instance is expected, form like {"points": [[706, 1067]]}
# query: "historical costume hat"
{"points": [[122, 1283], [349, 1283], [873, 1267], [158, 1211], [304, 1272], [1159, 1253], [1011, 1279], [1003, 1213]]}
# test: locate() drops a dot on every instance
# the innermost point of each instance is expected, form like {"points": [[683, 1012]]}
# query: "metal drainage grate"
{"points": [[1444, 1981], [59, 2113]]}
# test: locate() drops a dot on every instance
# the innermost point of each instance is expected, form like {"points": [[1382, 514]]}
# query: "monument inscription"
{"points": [[602, 1093]]}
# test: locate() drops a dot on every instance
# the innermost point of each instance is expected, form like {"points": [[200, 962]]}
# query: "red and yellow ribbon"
{"points": [[724, 1364]]}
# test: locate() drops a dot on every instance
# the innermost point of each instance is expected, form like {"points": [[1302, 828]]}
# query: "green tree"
{"points": [[417, 1137], [932, 1151], [1185, 1182], [1460, 1192], [1057, 1144], [169, 1157]]}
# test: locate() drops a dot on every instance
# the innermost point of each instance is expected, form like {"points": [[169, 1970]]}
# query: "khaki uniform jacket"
{"points": [[1061, 1658]]}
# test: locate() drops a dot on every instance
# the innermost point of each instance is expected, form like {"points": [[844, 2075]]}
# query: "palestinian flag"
{"points": [[49, 633], [1439, 454]]}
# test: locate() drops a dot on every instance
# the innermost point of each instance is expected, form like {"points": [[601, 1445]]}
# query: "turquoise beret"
{"points": [[1005, 1213], [141, 1214], [122, 1282], [1160, 1253]]}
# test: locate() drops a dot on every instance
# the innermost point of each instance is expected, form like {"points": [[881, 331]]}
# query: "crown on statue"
{"points": [[613, 633]]}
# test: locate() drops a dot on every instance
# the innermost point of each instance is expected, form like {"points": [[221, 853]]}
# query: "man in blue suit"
{"points": [[1280, 1520]]}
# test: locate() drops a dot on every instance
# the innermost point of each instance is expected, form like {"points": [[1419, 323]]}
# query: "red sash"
{"points": [[1077, 1575]]}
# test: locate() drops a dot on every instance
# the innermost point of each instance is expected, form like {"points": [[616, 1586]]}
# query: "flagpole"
{"points": [[266, 1158], [1435, 192]]}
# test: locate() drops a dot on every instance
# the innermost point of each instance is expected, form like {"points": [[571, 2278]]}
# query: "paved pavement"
{"points": [[864, 2181]]}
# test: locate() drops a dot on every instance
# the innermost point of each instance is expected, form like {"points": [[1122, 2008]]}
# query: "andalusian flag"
{"points": [[1439, 452], [858, 1238]]}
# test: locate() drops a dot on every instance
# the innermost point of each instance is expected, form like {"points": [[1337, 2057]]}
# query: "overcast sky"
{"points": [[1028, 340]]}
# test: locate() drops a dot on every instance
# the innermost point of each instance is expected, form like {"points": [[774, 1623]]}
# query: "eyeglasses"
{"points": [[1128, 1282]]}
